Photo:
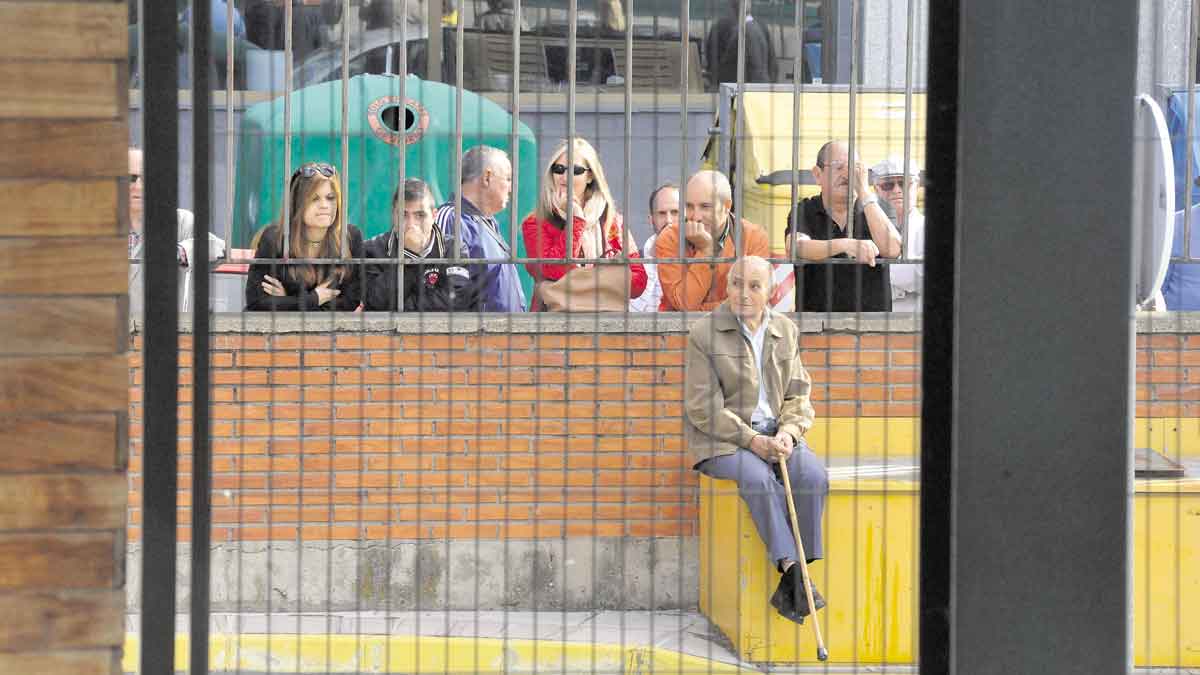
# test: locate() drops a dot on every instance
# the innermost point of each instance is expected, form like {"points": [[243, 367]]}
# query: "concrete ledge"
{"points": [[577, 573], [665, 323], [316, 653]]}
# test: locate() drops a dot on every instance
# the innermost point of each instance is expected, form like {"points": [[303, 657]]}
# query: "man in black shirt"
{"points": [[846, 220]]}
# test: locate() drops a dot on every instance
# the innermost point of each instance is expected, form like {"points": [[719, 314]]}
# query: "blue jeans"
{"points": [[761, 488]]}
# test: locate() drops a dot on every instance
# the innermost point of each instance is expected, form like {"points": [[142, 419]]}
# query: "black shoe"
{"points": [[789, 598]]}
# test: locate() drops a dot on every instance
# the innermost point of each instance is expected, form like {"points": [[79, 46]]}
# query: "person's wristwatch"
{"points": [[867, 201]]}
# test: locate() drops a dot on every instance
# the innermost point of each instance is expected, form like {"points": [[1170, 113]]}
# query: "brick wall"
{"points": [[366, 435], [344, 435]]}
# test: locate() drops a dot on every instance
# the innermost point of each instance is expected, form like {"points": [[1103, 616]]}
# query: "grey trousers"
{"points": [[763, 492]]}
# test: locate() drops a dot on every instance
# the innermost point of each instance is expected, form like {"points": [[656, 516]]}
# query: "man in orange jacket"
{"points": [[710, 229]]}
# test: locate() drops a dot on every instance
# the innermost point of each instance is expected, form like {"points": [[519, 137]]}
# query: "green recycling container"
{"points": [[381, 126]]}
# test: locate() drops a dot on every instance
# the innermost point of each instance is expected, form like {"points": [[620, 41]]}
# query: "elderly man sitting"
{"points": [[747, 409]]}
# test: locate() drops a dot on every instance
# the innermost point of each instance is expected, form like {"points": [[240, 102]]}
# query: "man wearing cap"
{"points": [[846, 221], [894, 185]]}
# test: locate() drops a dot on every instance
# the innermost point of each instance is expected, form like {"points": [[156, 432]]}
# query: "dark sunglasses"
{"points": [[559, 169], [134, 177], [889, 185], [314, 168]]}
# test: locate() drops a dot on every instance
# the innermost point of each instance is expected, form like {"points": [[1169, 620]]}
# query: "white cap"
{"points": [[891, 167]]}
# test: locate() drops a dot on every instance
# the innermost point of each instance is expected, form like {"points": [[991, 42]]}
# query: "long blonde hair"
{"points": [[303, 185], [587, 155]]}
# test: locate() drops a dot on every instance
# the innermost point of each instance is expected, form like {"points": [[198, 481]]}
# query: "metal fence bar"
{"points": [[287, 125], [402, 173], [201, 448], [160, 338], [739, 136], [229, 133], [1190, 130], [572, 45], [793, 242], [909, 199], [684, 44], [346, 123], [515, 134]]}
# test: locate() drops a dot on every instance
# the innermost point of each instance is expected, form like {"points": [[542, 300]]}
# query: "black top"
{"points": [[298, 298], [265, 24], [839, 287], [721, 51], [428, 287]]}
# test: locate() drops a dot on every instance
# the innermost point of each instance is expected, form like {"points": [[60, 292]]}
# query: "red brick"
{"points": [[501, 376], [1164, 341], [434, 342], [366, 342], [622, 342], [1173, 392], [304, 341], [890, 409], [502, 342], [399, 393], [542, 359], [535, 530], [890, 341], [268, 359], [1159, 375], [1164, 357], [397, 359], [598, 358]]}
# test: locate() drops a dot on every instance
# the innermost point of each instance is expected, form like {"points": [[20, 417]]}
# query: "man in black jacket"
{"points": [[265, 21], [428, 287], [721, 49]]}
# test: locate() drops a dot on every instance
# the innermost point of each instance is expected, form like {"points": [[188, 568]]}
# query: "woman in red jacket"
{"points": [[598, 230]]}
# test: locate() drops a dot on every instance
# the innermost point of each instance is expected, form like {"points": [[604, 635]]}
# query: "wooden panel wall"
{"points": [[63, 378]]}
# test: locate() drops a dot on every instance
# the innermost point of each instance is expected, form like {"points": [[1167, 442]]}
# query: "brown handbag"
{"points": [[596, 288]]}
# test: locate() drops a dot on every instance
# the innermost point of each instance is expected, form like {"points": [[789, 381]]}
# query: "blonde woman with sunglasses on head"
{"points": [[598, 230], [317, 221]]}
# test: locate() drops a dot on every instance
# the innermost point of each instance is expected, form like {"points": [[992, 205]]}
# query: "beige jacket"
{"points": [[722, 383]]}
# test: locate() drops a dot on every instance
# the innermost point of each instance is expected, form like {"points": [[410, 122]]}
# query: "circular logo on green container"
{"points": [[392, 119]]}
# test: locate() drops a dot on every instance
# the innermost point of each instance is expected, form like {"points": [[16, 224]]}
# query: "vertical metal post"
{"points": [[1041, 478], [160, 337], [201, 450], [937, 339]]}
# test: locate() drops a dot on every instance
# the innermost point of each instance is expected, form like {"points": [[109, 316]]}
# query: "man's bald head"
{"points": [[708, 199], [715, 182], [752, 265], [751, 280]]}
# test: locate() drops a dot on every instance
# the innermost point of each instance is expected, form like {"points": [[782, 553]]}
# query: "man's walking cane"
{"points": [[822, 653]]}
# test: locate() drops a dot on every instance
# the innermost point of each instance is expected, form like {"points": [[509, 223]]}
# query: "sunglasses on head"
{"points": [[559, 169], [314, 168]]}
